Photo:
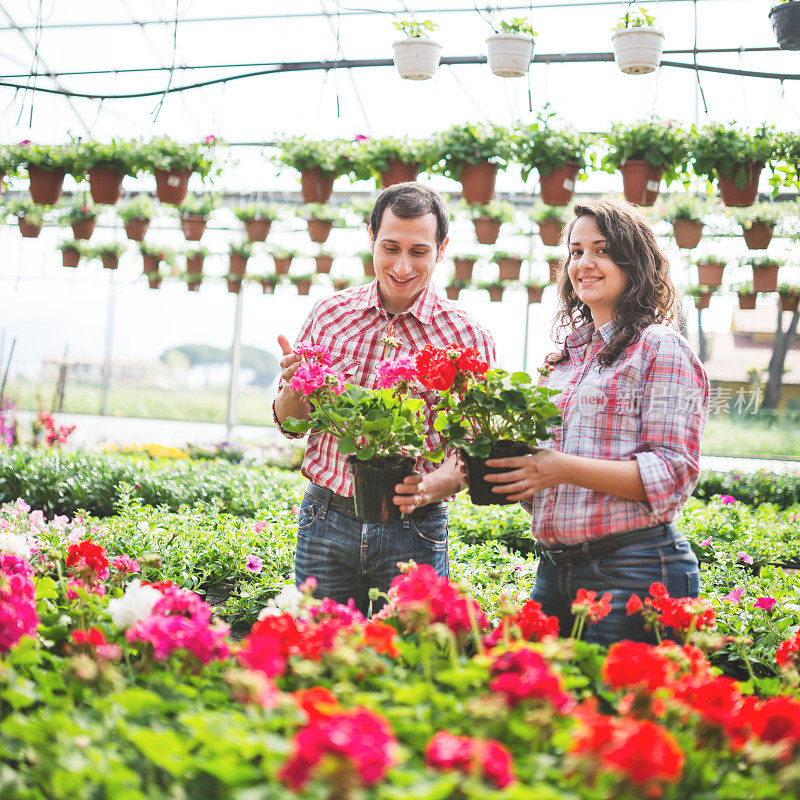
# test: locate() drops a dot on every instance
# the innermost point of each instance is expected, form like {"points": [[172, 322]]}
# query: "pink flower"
{"points": [[734, 596], [394, 371], [125, 563], [727, 499], [210, 139], [25, 142], [319, 353], [361, 138], [765, 603], [485, 757], [312, 377], [706, 542], [254, 563], [17, 602], [295, 509], [524, 675], [742, 556], [259, 526]]}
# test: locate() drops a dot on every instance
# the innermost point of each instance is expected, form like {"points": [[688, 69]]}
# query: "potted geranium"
{"points": [[320, 219], [785, 16], [391, 160], [136, 215], [686, 212], [509, 265], [709, 270], [701, 294], [109, 253], [758, 223], [487, 218], [319, 163], [765, 273], [485, 413], [417, 56], [70, 253], [173, 163], [107, 164], [193, 213], [510, 49], [257, 219], [47, 165], [535, 290], [637, 42], [283, 260], [735, 157], [557, 153], [472, 154], [644, 152], [324, 262], [789, 297], [464, 266], [238, 254], [82, 217], [382, 430], [30, 216], [551, 221], [195, 260], [747, 297]]}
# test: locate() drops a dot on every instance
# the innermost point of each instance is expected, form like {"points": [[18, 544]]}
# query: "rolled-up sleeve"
{"points": [[674, 411]]}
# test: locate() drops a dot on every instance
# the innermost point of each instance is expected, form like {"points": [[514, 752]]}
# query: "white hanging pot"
{"points": [[637, 51], [510, 54], [416, 58]]}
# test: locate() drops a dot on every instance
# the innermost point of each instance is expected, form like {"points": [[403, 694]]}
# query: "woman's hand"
{"points": [[527, 475]]}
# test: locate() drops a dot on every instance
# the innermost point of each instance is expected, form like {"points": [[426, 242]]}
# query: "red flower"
{"points": [[435, 370], [469, 360], [788, 653], [484, 757], [380, 637], [270, 643], [523, 674], [95, 641], [317, 702], [595, 610], [634, 604], [531, 622], [636, 665], [88, 560], [681, 614], [778, 721]]}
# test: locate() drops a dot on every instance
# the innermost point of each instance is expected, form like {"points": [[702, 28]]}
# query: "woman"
{"points": [[634, 400]]}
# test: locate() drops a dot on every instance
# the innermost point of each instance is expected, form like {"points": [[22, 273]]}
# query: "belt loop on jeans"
{"points": [[325, 505]]}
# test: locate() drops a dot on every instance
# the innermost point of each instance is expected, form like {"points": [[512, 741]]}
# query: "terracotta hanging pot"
{"points": [[319, 230], [550, 231], [109, 260], [747, 300], [70, 258], [554, 265], [237, 264], [193, 227], [487, 229], [83, 229], [193, 286], [303, 286], [154, 281], [324, 264], [315, 185], [172, 186], [765, 278], [732, 195], [150, 263], [558, 186], [136, 229], [267, 285], [340, 284], [789, 302], [452, 292], [105, 184], [234, 286], [369, 266], [463, 268], [45, 184], [535, 294], [477, 182], [702, 301], [257, 230], [687, 233], [398, 172], [758, 236], [495, 294], [27, 229], [194, 264], [509, 268], [640, 181], [709, 273], [282, 265]]}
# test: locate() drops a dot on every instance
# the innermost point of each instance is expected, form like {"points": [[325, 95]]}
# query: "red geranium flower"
{"points": [[483, 757], [523, 674], [88, 560], [531, 622], [636, 665], [788, 653]]}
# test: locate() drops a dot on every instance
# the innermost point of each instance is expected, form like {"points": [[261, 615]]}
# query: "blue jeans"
{"points": [[348, 556], [666, 558]]}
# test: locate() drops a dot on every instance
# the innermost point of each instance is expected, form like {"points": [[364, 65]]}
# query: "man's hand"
{"points": [[416, 491], [289, 402], [411, 493]]}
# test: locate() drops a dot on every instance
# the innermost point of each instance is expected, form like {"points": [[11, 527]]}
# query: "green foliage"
{"points": [[635, 18], [165, 254], [413, 29], [48, 156], [107, 249], [753, 488], [124, 156], [333, 156], [726, 149], [545, 146], [139, 207], [471, 143], [517, 25], [197, 205], [371, 157], [163, 153], [699, 291], [764, 261], [25, 207], [768, 213], [253, 211], [78, 210], [319, 211], [542, 212], [74, 245], [501, 211], [685, 206], [662, 144], [243, 248]]}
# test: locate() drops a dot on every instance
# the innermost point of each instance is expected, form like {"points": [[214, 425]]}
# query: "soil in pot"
{"points": [[83, 229], [463, 269], [688, 233], [732, 195], [105, 184], [45, 185], [477, 182], [709, 273], [758, 236], [558, 186], [550, 231], [257, 230], [480, 492], [765, 279], [136, 229], [319, 230], [27, 229], [747, 301], [398, 172], [172, 186], [70, 258], [641, 181], [486, 229], [509, 268], [373, 486], [315, 185], [193, 227]]}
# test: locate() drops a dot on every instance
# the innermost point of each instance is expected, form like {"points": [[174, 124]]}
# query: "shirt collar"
{"points": [[577, 340], [423, 308]]}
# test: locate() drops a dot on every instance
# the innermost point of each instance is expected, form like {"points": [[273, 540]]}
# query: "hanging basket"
{"points": [[194, 264], [416, 58], [257, 230], [70, 258], [45, 185], [267, 285], [550, 231], [452, 292], [303, 286], [316, 186], [640, 181], [282, 265], [477, 182], [558, 186], [105, 184], [637, 51], [509, 268], [758, 235], [747, 300], [487, 229], [154, 281], [27, 229], [237, 264], [509, 54], [324, 264], [709, 273], [136, 229], [535, 294], [786, 25], [495, 294], [83, 229], [319, 230], [765, 278], [732, 194], [701, 301], [172, 185], [234, 286], [398, 172], [150, 263], [687, 233], [193, 227], [789, 302], [109, 260], [463, 268]]}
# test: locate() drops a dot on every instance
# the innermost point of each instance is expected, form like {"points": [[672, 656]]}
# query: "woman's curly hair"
{"points": [[649, 296]]}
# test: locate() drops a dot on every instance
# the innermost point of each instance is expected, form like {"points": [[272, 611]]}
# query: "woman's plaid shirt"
{"points": [[651, 405], [360, 334]]}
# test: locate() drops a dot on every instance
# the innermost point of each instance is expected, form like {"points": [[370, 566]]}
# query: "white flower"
{"points": [[14, 544], [134, 605], [287, 601]]}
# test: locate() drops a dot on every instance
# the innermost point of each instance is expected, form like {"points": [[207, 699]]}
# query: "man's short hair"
{"points": [[411, 200]]}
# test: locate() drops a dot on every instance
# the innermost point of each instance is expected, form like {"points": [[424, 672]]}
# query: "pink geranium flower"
{"points": [[765, 603], [742, 556], [706, 542], [254, 563], [734, 596], [727, 499], [394, 371]]}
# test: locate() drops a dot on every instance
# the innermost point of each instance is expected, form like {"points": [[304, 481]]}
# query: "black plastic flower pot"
{"points": [[373, 486], [786, 25], [480, 491]]}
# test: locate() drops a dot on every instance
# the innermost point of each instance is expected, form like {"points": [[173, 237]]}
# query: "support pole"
{"points": [[110, 308], [236, 360]]}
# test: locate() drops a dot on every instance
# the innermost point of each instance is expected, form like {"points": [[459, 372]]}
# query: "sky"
{"points": [[47, 308]]}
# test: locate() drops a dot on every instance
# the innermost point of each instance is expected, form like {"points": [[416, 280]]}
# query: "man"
{"points": [[396, 315]]}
